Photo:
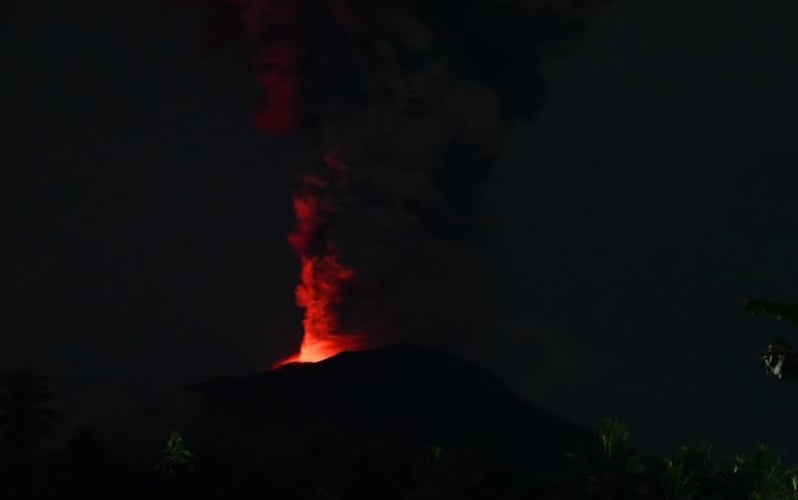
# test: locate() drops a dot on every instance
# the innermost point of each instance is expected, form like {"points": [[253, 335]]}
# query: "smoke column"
{"points": [[407, 101]]}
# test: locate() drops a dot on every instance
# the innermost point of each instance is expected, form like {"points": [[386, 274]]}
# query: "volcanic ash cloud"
{"points": [[407, 101]]}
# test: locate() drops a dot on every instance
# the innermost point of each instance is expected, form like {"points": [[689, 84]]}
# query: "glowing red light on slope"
{"points": [[318, 292], [318, 346]]}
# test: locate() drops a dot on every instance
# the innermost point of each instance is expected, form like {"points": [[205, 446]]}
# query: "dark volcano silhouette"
{"points": [[401, 397]]}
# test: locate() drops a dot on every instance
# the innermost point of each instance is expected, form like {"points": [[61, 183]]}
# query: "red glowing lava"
{"points": [[324, 278], [278, 43]]}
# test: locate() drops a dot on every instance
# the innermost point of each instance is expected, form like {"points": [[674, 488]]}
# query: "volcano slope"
{"points": [[395, 405]]}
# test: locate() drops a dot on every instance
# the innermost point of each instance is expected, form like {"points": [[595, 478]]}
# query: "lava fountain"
{"points": [[323, 277], [278, 35]]}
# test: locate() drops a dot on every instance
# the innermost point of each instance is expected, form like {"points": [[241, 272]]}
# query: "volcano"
{"points": [[401, 397]]}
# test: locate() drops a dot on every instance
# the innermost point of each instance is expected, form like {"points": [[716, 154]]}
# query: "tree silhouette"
{"points": [[611, 466], [689, 473], [760, 475], [175, 457], [82, 468], [25, 417]]}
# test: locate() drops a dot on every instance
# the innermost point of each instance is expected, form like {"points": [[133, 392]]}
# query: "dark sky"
{"points": [[662, 190], [654, 192]]}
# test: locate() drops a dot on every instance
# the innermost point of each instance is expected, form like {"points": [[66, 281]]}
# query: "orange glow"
{"points": [[279, 46], [323, 278]]}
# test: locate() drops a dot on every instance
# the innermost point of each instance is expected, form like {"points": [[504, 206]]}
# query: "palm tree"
{"points": [[689, 473], [25, 418], [613, 468], [175, 458], [762, 475]]}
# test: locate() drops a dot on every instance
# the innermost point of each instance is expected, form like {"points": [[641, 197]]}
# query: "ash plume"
{"points": [[407, 101]]}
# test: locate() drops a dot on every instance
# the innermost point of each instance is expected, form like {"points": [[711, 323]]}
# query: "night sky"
{"points": [[654, 191]]}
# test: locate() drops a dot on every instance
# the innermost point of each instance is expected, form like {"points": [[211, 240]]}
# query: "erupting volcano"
{"points": [[407, 101]]}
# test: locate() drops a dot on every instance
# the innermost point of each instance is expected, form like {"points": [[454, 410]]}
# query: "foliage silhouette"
{"points": [[25, 420], [81, 468], [689, 473], [25, 417], [783, 311], [762, 475], [610, 468], [175, 457], [339, 465]]}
